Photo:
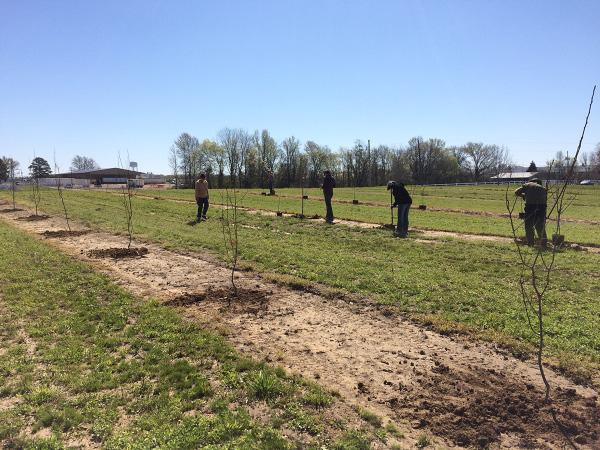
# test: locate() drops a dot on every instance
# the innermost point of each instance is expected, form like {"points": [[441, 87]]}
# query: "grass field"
{"points": [[84, 363], [446, 207], [451, 284]]}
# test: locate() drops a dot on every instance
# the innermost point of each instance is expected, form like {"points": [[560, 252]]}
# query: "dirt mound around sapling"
{"points": [[118, 253], [64, 233], [246, 301], [34, 218], [300, 216], [474, 409], [10, 210]]}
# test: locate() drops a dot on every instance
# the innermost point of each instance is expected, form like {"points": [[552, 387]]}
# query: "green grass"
{"points": [[451, 284], [82, 359], [450, 208]]}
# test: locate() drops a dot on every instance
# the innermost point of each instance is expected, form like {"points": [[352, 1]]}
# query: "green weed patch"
{"points": [[82, 359]]}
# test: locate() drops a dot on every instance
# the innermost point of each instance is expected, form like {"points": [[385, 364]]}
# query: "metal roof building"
{"points": [[514, 176], [95, 174]]}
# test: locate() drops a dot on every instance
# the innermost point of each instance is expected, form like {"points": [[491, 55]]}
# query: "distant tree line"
{"points": [[241, 159]]}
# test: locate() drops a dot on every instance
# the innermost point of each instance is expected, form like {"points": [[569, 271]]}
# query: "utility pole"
{"points": [[369, 156]]}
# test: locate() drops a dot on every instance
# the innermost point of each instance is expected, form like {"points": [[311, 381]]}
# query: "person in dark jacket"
{"points": [[535, 196], [403, 201], [327, 186]]}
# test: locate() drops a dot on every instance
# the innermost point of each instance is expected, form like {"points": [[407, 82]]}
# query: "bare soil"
{"points": [[118, 252], [463, 394]]}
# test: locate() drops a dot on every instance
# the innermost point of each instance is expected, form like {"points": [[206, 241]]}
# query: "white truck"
{"points": [[135, 182]]}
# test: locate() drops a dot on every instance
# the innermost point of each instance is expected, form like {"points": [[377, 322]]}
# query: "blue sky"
{"points": [[103, 78]]}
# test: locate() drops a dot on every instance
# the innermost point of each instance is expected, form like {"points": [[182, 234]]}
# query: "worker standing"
{"points": [[327, 186], [202, 196], [402, 200], [535, 196]]}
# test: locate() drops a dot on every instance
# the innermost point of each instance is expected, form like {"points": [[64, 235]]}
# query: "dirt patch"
{"points": [[463, 394], [10, 210], [64, 233], [34, 217], [117, 253], [247, 301], [479, 412]]}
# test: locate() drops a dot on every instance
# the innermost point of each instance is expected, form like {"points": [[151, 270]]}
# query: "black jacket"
{"points": [[328, 185], [401, 195]]}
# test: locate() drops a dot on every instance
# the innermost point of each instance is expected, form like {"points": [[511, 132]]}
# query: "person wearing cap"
{"points": [[327, 186], [403, 201], [535, 196], [202, 196]]}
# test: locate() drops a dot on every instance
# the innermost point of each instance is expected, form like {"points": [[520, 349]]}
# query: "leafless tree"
{"points": [[11, 169], [173, 163], [229, 221], [83, 163], [483, 158], [127, 202], [185, 145], [229, 140], [60, 192], [291, 160], [536, 265]]}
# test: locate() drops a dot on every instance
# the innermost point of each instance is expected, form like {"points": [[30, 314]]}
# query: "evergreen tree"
{"points": [[3, 170], [39, 168], [532, 167]]}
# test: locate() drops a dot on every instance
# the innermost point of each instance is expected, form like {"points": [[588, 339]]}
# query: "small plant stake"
{"points": [[303, 197]]}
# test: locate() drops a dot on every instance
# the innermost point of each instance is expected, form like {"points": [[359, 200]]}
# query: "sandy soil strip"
{"points": [[464, 394]]}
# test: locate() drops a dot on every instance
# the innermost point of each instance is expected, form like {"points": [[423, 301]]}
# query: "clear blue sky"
{"points": [[99, 78]]}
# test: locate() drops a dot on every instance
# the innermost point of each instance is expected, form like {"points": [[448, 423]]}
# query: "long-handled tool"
{"points": [[302, 215], [392, 209]]}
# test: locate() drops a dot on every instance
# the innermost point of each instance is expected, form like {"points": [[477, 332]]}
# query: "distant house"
{"points": [[514, 177]]}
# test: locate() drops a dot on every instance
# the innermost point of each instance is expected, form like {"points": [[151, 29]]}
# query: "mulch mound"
{"points": [[118, 253], [251, 301], [474, 409], [64, 233]]}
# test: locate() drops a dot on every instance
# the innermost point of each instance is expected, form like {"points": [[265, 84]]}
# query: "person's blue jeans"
{"points": [[402, 226], [535, 218], [329, 215], [202, 206]]}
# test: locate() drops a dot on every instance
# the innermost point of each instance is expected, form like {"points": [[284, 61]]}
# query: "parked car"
{"points": [[587, 182], [68, 186]]}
